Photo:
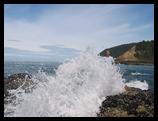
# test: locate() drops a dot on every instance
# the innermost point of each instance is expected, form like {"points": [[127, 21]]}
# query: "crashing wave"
{"points": [[77, 89]]}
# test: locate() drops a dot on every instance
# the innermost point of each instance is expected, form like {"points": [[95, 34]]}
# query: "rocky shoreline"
{"points": [[134, 62], [133, 102], [13, 82]]}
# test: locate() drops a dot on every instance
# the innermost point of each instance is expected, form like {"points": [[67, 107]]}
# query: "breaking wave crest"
{"points": [[77, 89]]}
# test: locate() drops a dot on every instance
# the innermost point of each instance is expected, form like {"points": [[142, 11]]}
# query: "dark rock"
{"points": [[15, 81], [133, 102]]}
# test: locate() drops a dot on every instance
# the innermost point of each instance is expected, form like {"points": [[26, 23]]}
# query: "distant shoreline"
{"points": [[147, 64], [135, 63]]}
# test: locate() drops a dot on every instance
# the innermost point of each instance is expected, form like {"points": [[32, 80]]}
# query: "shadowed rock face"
{"points": [[132, 103], [15, 81]]}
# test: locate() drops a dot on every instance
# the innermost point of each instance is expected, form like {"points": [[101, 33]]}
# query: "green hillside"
{"points": [[118, 50], [144, 51]]}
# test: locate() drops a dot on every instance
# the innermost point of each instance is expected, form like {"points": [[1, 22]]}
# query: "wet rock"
{"points": [[141, 109], [133, 102], [15, 81]]}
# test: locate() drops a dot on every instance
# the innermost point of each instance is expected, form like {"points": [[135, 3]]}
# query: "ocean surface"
{"points": [[12, 67], [130, 72], [74, 88]]}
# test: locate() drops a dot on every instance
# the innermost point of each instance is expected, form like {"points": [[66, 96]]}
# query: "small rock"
{"points": [[140, 109]]}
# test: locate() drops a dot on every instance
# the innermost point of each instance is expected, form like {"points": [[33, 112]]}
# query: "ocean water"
{"points": [[12, 67], [75, 87], [130, 72], [134, 73]]}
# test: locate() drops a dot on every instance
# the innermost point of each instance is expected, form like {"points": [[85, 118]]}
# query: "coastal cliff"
{"points": [[133, 53]]}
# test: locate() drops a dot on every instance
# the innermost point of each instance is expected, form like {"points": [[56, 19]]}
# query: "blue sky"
{"points": [[56, 32]]}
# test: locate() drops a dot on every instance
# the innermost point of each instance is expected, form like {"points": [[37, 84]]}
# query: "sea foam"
{"points": [[77, 89]]}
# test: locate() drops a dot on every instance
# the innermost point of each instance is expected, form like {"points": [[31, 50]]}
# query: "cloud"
{"points": [[54, 53], [77, 26], [59, 49], [14, 40]]}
